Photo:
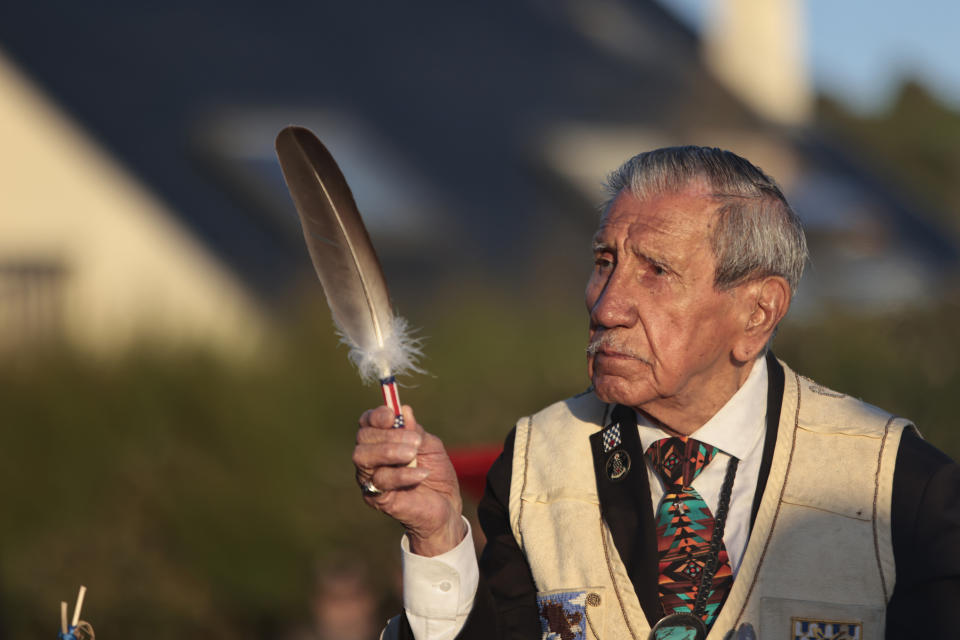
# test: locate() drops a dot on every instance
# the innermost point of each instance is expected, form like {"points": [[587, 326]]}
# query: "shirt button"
{"points": [[445, 586]]}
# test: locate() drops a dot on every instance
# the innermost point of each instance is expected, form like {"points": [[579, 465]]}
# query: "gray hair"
{"points": [[757, 233]]}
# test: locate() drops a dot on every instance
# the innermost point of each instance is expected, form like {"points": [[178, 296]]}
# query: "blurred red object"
{"points": [[471, 464]]}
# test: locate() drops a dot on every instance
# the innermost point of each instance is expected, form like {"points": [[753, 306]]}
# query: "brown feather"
{"points": [[343, 256]]}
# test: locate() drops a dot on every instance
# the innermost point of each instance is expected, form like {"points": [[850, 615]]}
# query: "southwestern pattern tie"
{"points": [[685, 528]]}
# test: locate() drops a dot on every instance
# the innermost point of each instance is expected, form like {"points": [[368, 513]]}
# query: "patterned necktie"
{"points": [[685, 528]]}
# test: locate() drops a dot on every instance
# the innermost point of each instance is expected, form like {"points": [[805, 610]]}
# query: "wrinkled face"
{"points": [[660, 333]]}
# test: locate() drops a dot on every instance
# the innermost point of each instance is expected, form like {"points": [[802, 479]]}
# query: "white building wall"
{"points": [[758, 49], [107, 256]]}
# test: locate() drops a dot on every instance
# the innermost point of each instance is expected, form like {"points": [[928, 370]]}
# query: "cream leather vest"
{"points": [[820, 551]]}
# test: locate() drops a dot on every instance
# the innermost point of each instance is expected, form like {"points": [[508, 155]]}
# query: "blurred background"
{"points": [[177, 415]]}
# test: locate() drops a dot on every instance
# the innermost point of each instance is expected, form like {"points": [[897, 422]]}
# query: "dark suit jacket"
{"points": [[925, 523]]}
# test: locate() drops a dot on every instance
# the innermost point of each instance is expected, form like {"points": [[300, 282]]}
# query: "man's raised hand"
{"points": [[425, 499]]}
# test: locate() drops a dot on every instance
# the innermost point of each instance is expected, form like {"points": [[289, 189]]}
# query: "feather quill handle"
{"points": [[346, 263]]}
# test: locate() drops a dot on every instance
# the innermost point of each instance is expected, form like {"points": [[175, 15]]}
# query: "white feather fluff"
{"points": [[397, 356]]}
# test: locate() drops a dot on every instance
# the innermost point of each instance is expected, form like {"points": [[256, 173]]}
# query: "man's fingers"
{"points": [[382, 418], [409, 420], [373, 435], [393, 478], [370, 456], [379, 418]]}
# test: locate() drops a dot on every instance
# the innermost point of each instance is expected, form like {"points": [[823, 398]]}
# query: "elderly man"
{"points": [[699, 485]]}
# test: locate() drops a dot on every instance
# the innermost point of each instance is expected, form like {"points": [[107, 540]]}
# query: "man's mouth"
{"points": [[607, 346]]}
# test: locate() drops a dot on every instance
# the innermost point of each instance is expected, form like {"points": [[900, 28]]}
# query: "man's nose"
{"points": [[616, 305]]}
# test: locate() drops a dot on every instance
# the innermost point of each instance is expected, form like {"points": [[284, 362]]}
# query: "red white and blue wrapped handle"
{"points": [[391, 397]]}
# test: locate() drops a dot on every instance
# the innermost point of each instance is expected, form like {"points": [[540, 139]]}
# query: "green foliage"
{"points": [[196, 500], [916, 141], [907, 363]]}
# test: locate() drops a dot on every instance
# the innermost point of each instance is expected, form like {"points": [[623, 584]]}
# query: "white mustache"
{"points": [[613, 343]]}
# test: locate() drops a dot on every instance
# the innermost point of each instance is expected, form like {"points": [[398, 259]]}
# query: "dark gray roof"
{"points": [[455, 86], [454, 93]]}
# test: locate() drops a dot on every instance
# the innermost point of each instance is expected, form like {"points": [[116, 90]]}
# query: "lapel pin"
{"points": [[611, 437], [618, 465]]}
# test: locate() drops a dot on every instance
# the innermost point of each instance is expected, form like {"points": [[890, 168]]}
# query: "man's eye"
{"points": [[658, 270], [603, 262]]}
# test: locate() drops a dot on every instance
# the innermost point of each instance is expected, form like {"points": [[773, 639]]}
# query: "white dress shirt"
{"points": [[438, 592]]}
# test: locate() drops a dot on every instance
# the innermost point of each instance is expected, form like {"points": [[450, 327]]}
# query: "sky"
{"points": [[859, 50]]}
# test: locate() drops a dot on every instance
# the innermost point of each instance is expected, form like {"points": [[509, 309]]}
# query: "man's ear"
{"points": [[767, 300]]}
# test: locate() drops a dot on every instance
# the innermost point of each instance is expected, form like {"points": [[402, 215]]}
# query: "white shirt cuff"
{"points": [[438, 592]]}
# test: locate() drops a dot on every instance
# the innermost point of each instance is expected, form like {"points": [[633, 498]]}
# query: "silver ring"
{"points": [[369, 489]]}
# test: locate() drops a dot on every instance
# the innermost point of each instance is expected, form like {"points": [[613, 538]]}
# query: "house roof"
{"points": [[453, 99]]}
